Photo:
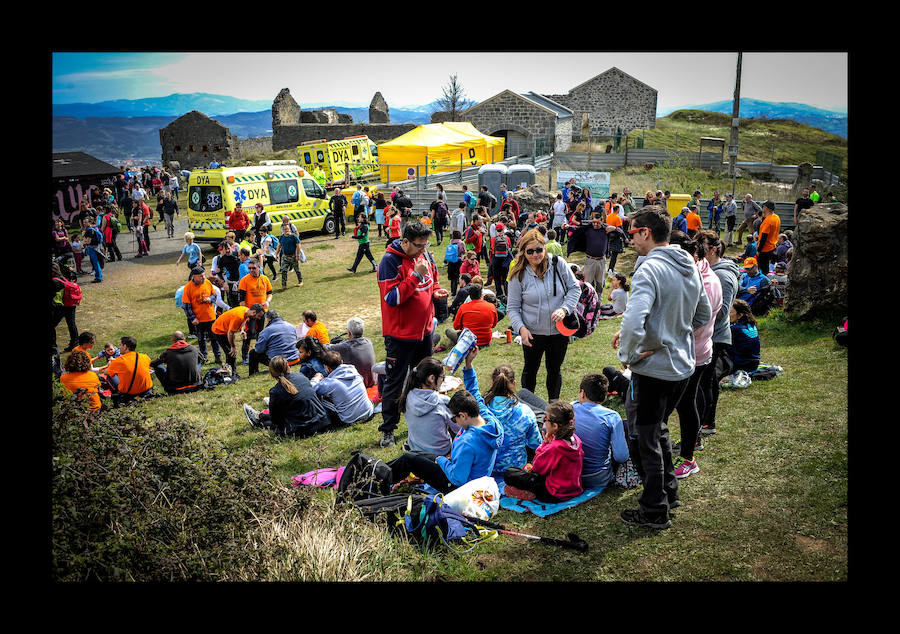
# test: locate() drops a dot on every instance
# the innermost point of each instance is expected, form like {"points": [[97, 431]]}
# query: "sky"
{"points": [[416, 78]]}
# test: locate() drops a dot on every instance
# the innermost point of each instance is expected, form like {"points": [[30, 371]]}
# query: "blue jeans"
{"points": [[95, 262]]}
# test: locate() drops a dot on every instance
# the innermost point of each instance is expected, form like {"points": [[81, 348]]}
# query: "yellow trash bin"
{"points": [[677, 202]]}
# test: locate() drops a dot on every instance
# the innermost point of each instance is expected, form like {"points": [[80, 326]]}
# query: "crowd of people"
{"points": [[687, 321]]}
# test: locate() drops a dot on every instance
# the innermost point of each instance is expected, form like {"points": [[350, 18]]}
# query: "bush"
{"points": [[141, 500]]}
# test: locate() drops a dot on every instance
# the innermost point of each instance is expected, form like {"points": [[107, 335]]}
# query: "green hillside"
{"points": [[792, 142]]}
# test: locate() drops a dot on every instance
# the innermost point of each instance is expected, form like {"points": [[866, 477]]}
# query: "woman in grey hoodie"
{"points": [[431, 425], [542, 291]]}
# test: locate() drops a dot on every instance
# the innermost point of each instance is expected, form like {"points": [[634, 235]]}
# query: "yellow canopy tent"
{"points": [[439, 146]]}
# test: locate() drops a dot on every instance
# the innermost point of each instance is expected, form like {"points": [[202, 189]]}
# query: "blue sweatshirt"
{"points": [[602, 436], [475, 448], [744, 346], [348, 393], [520, 430], [278, 338]]}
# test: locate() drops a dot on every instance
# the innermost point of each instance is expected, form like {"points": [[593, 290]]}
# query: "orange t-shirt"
{"points": [[319, 331], [693, 221], [87, 380], [614, 220], [196, 296], [230, 320], [256, 288], [771, 226], [123, 367]]}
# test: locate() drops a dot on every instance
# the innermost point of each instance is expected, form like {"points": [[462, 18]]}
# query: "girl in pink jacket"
{"points": [[556, 473]]}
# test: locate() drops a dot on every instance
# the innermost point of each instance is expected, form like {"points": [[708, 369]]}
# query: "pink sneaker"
{"points": [[684, 468]]}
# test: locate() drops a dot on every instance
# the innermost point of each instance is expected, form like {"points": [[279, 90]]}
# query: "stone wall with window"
{"points": [[194, 139]]}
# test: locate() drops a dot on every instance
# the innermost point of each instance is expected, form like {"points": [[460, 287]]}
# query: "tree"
{"points": [[454, 99]]}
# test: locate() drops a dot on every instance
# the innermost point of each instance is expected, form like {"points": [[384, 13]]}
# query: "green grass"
{"points": [[769, 504]]}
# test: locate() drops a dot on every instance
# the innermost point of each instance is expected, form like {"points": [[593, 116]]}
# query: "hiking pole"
{"points": [[573, 541]]}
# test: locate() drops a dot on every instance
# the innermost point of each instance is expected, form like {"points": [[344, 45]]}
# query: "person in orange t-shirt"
{"points": [[79, 378], [477, 315], [230, 322], [694, 222], [316, 328], [198, 301], [129, 373], [768, 236], [254, 288]]}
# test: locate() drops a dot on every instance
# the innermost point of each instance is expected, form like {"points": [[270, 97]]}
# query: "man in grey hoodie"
{"points": [[656, 341], [728, 273], [343, 386]]}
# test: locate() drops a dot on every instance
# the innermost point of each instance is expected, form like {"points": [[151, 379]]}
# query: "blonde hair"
{"points": [[279, 369], [518, 269], [189, 237]]}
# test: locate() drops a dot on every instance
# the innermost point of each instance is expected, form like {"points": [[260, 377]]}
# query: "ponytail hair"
{"points": [[743, 310], [502, 379], [623, 281], [313, 346], [279, 369], [418, 377], [561, 414]]}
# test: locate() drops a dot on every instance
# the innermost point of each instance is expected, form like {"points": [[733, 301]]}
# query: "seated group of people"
{"points": [[456, 440]]}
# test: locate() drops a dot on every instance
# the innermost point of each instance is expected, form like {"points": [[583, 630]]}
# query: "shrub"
{"points": [[141, 500]]}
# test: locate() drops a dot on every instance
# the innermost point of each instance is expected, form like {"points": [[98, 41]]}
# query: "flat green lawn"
{"points": [[769, 502]]}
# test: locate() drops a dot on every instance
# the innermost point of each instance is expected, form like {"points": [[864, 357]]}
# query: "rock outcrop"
{"points": [[378, 110], [285, 111], [817, 276]]}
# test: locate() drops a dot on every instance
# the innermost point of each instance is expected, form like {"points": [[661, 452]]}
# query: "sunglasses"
{"points": [[533, 251], [631, 232]]}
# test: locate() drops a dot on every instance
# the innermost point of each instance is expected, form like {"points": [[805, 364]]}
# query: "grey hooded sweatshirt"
{"points": [[667, 304], [728, 274], [531, 302], [345, 387], [430, 423]]}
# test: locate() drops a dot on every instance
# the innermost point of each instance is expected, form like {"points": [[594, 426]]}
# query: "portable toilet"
{"points": [[492, 175], [520, 175]]}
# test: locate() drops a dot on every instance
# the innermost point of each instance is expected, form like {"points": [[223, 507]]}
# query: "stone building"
{"points": [[612, 100], [521, 119], [194, 139]]}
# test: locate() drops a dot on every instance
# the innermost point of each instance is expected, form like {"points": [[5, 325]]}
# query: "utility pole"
{"points": [[735, 118]]}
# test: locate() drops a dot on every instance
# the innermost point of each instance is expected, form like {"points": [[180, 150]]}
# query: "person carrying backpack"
{"points": [[500, 257], [66, 297], [453, 259], [439, 214]]}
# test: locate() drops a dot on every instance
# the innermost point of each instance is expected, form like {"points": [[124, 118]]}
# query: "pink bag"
{"points": [[322, 478]]}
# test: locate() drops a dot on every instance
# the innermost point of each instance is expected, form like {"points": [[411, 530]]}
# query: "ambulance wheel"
{"points": [[329, 225]]}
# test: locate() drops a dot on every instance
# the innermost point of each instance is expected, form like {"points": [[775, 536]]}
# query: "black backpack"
{"points": [[766, 297], [501, 245], [364, 477]]}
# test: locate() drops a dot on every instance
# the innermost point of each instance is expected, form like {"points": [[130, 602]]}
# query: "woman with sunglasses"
{"points": [[542, 291]]}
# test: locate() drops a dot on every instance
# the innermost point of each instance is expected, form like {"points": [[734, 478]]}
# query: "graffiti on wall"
{"points": [[67, 196]]}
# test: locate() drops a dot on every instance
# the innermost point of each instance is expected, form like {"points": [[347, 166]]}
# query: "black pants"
{"points": [[424, 468], [613, 256], [222, 340], [709, 384], [163, 377], [339, 224], [204, 332], [617, 382], [688, 417], [400, 357], [453, 274], [554, 348], [764, 259], [530, 481], [68, 312], [363, 250], [257, 358], [500, 269], [147, 236], [270, 262], [652, 401], [254, 327], [113, 248]]}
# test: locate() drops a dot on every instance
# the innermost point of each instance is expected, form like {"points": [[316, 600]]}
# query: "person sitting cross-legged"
{"points": [[343, 389], [294, 408], [178, 366]]}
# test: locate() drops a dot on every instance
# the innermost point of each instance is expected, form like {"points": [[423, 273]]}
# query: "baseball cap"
{"points": [[729, 195], [750, 262], [770, 204], [569, 325], [197, 270]]}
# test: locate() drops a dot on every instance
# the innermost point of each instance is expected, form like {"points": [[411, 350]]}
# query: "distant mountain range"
{"points": [[129, 129], [834, 121]]}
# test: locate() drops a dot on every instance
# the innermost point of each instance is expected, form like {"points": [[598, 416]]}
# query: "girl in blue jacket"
{"points": [[745, 346]]}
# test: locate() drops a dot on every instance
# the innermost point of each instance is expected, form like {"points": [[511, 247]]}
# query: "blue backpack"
{"points": [[452, 253]]}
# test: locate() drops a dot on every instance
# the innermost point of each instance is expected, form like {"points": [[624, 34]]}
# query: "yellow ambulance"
{"points": [[284, 188], [332, 156]]}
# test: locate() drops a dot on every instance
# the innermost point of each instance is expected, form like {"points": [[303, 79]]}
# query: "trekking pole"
{"points": [[573, 541]]}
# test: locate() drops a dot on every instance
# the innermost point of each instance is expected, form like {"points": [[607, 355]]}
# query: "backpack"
{"points": [[470, 201], [71, 292], [840, 334], [469, 238], [441, 213], [218, 376], [493, 200], [452, 253], [501, 245], [364, 477], [588, 310], [765, 299]]}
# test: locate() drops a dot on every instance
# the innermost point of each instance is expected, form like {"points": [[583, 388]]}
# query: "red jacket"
{"points": [[238, 221], [561, 462], [407, 309]]}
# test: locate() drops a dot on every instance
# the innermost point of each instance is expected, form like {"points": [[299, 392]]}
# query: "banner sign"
{"points": [[596, 182]]}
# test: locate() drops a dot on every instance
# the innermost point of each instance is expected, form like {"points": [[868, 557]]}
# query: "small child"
{"points": [[618, 295], [109, 352], [77, 251], [556, 473]]}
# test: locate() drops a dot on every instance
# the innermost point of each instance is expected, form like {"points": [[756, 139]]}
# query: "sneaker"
{"points": [[686, 468], [299, 284], [95, 281], [191, 336], [387, 439], [634, 517], [520, 494], [252, 416], [707, 430], [351, 270], [245, 361]]}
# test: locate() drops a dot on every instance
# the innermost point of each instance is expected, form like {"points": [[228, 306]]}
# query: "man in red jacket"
{"points": [[407, 283], [238, 222]]}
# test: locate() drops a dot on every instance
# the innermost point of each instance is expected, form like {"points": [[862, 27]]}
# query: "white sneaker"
{"points": [[252, 416]]}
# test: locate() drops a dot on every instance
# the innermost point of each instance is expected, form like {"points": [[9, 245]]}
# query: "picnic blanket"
{"points": [[543, 509]]}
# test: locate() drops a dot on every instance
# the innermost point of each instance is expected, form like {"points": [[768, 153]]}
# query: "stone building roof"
{"points": [[606, 72], [561, 111], [542, 106]]}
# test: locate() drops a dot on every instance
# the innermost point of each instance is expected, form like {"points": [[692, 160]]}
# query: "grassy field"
{"points": [[769, 503]]}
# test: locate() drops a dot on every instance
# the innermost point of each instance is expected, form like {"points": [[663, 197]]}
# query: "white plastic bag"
{"points": [[479, 498]]}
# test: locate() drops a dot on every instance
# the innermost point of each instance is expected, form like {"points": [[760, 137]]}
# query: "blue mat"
{"points": [[543, 509]]}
